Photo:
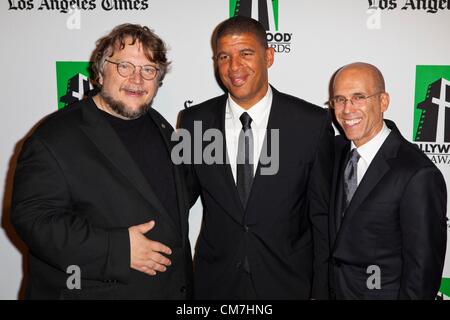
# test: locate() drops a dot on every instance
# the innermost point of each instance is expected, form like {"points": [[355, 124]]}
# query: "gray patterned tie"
{"points": [[350, 176]]}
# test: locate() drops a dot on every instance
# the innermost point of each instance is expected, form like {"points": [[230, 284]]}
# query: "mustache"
{"points": [[134, 89]]}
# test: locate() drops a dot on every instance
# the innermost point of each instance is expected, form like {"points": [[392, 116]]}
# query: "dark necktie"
{"points": [[245, 159], [350, 176]]}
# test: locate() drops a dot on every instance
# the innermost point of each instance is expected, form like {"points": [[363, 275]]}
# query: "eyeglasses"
{"points": [[127, 69], [357, 100]]}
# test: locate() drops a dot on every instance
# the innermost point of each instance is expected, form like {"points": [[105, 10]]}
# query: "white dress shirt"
{"points": [[233, 126], [368, 151]]}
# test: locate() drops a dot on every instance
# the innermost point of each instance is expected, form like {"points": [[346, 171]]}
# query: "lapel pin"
{"points": [[163, 125]]}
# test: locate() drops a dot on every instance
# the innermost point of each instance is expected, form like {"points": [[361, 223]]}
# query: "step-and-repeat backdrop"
{"points": [[46, 45]]}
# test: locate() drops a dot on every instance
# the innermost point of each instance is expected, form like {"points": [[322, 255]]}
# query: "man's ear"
{"points": [[385, 99], [100, 79], [270, 56]]}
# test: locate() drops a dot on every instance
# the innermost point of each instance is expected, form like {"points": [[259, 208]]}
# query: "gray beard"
{"points": [[121, 109]]}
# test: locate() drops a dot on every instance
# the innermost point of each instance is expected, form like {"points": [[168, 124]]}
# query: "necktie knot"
{"points": [[354, 156], [246, 121]]}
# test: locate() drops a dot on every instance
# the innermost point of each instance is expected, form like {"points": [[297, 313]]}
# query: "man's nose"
{"points": [[348, 106], [136, 77], [235, 63]]}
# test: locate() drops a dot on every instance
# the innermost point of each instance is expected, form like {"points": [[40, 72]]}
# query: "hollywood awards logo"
{"points": [[432, 112], [73, 81], [266, 12]]}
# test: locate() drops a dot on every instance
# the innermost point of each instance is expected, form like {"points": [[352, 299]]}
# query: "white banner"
{"points": [[312, 39]]}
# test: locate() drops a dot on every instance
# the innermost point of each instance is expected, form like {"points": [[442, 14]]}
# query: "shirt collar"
{"points": [[257, 112], [368, 150]]}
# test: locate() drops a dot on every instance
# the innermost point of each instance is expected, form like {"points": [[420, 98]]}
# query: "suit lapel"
{"points": [[166, 132], [337, 201], [275, 121], [106, 140], [227, 168], [230, 193]]}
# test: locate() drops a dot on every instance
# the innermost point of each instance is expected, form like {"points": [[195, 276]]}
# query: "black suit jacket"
{"points": [[283, 231], [76, 192], [395, 221]]}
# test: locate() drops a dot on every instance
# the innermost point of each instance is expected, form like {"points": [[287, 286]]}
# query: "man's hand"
{"points": [[146, 255]]}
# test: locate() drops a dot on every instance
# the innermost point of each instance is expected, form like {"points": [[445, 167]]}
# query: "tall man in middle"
{"points": [[264, 231]]}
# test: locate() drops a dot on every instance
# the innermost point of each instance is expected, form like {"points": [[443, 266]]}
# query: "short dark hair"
{"points": [[239, 25], [154, 48]]}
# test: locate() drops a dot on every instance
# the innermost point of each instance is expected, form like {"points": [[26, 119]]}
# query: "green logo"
{"points": [[432, 122], [265, 11], [72, 81], [445, 287], [432, 104]]}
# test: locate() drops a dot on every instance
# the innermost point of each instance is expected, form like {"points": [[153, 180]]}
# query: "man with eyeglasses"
{"points": [[96, 197], [388, 203]]}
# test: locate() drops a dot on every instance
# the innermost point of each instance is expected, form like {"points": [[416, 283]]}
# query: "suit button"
{"points": [[183, 289], [238, 264], [246, 228], [337, 263]]}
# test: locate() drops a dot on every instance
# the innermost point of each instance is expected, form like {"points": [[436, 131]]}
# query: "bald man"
{"points": [[388, 203]]}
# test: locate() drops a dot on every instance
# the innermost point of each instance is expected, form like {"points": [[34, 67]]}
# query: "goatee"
{"points": [[121, 109]]}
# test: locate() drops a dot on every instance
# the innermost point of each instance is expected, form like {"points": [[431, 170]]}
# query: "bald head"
{"points": [[372, 73], [359, 101]]}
